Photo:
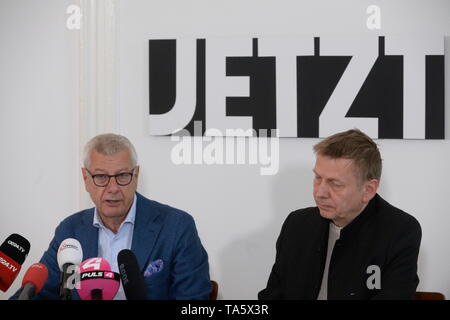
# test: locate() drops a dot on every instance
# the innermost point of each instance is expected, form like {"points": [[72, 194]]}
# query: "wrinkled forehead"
{"points": [[113, 162], [336, 168]]}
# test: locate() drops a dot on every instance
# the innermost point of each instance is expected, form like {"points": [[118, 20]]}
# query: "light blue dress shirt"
{"points": [[110, 243]]}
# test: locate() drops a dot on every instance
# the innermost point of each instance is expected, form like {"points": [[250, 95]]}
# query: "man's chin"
{"points": [[327, 213], [113, 212]]}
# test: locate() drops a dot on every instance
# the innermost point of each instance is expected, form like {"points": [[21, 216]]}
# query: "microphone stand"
{"points": [[64, 292]]}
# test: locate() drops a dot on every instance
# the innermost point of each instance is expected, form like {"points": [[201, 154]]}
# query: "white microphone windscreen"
{"points": [[69, 251]]}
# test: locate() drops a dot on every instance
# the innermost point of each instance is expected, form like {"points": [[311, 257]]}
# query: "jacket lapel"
{"points": [[146, 230], [88, 235]]}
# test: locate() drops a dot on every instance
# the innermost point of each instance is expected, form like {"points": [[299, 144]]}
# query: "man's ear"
{"points": [[84, 173], [370, 189], [85, 178], [136, 171]]}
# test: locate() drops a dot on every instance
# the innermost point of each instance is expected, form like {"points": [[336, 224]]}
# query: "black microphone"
{"points": [[13, 252], [131, 276]]}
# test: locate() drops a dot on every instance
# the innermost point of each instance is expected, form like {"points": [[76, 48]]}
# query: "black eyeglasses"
{"points": [[102, 180]]}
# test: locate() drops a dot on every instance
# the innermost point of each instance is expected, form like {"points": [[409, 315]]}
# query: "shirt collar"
{"points": [[354, 225], [131, 216]]}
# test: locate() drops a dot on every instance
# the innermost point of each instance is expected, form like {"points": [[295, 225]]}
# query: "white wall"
{"points": [[38, 122], [238, 212]]}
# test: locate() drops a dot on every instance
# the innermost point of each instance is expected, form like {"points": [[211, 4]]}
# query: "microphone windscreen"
{"points": [[16, 247], [96, 277], [131, 276], [69, 251], [9, 269], [13, 252], [36, 274]]}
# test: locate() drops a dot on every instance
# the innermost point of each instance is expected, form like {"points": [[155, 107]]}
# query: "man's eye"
{"points": [[101, 176]]}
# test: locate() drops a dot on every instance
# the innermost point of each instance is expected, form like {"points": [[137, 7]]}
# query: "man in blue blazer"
{"points": [[124, 219]]}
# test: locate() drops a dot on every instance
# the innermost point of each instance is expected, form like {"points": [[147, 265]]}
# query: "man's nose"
{"points": [[112, 185], [321, 190]]}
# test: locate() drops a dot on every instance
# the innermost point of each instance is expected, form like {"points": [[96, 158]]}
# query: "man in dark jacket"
{"points": [[354, 244]]}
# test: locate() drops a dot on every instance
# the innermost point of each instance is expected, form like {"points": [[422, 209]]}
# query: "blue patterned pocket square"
{"points": [[154, 267]]}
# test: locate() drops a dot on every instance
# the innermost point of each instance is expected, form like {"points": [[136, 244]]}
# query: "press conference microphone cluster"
{"points": [[69, 256], [13, 252], [33, 281], [131, 276], [94, 279]]}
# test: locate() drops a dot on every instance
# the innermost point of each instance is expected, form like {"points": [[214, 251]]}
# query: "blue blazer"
{"points": [[160, 232]]}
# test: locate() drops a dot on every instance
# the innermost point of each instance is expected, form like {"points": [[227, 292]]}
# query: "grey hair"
{"points": [[109, 144]]}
